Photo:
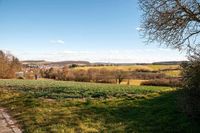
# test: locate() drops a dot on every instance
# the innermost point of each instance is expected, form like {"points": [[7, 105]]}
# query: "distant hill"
{"points": [[120, 64], [34, 62], [59, 63], [87, 63], [130, 64], [169, 63]]}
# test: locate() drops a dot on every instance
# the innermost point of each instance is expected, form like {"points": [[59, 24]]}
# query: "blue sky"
{"points": [[93, 30]]}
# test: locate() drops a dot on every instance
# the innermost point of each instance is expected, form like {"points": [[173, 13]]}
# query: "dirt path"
{"points": [[7, 125]]}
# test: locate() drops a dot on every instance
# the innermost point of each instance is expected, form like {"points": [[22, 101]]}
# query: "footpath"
{"points": [[7, 125]]}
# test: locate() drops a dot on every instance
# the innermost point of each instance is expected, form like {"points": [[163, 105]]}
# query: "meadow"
{"points": [[132, 67], [133, 74], [43, 106]]}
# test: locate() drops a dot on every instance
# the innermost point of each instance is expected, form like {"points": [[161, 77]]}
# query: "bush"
{"points": [[163, 82], [81, 76], [20, 77], [105, 76], [147, 75], [191, 79], [29, 75], [73, 66], [9, 65], [142, 70]]}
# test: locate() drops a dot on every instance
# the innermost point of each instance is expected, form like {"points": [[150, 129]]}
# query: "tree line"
{"points": [[101, 75], [9, 65]]}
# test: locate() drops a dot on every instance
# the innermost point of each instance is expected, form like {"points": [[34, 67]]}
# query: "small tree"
{"points": [[52, 73], [73, 66], [9, 65], [92, 74], [119, 76], [81, 75]]}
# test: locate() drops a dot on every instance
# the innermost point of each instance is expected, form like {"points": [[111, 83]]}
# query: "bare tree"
{"points": [[119, 75], [174, 23], [8, 65]]}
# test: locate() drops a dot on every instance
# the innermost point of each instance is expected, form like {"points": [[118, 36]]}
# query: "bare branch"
{"points": [[174, 23]]}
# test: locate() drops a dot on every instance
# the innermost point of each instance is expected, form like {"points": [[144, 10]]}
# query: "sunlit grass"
{"points": [[133, 82], [174, 73], [161, 67], [133, 67]]}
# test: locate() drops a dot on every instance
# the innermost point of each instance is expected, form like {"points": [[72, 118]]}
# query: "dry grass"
{"points": [[133, 67], [133, 82], [173, 73]]}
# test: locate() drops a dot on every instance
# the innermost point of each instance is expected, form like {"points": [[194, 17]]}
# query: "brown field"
{"points": [[170, 69], [133, 67]]}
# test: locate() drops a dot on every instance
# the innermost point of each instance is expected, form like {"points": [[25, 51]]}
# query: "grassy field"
{"points": [[170, 72], [133, 82], [134, 67], [174, 73], [46, 106]]}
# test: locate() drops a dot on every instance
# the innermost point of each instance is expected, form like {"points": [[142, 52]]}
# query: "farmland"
{"points": [[61, 106], [130, 75], [133, 67], [100, 66]]}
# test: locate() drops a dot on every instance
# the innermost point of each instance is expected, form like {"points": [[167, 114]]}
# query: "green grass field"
{"points": [[47, 106]]}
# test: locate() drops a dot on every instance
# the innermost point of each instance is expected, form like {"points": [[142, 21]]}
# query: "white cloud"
{"points": [[57, 41], [115, 56]]}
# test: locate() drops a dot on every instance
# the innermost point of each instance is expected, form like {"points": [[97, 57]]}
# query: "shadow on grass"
{"points": [[157, 114]]}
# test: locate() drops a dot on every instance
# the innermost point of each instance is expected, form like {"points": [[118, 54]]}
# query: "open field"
{"points": [[169, 70], [173, 73], [60, 107], [133, 82], [134, 67]]}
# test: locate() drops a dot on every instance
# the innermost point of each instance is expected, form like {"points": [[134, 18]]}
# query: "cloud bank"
{"points": [[114, 56]]}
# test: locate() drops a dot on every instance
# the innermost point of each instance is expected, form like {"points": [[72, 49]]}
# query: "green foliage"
{"points": [[73, 66], [63, 89]]}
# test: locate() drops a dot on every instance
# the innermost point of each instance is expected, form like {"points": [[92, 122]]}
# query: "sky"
{"points": [[92, 30]]}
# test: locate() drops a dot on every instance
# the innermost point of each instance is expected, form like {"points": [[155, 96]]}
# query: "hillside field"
{"points": [[170, 70], [45, 106], [132, 67]]}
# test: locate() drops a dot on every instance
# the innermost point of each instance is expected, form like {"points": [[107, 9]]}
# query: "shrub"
{"points": [[142, 70], [20, 77], [92, 74], [81, 76], [9, 65], [103, 76], [119, 75], [191, 79], [73, 66], [29, 75], [147, 75], [163, 82]]}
